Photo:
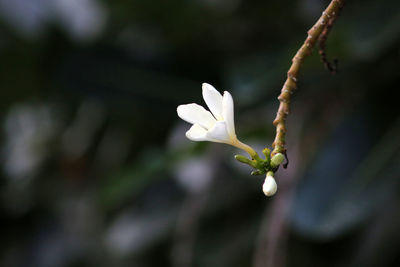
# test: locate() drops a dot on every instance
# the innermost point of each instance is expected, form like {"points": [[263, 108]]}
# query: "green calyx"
{"points": [[262, 166]]}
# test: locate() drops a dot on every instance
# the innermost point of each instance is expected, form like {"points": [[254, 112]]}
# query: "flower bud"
{"points": [[242, 159], [269, 186], [267, 153], [277, 160]]}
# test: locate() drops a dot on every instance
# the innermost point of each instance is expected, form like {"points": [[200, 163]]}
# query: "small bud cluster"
{"points": [[264, 166]]}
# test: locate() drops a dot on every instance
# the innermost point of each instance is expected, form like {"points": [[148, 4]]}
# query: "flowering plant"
{"points": [[217, 125]]}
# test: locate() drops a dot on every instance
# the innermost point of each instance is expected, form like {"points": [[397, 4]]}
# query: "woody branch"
{"points": [[330, 13]]}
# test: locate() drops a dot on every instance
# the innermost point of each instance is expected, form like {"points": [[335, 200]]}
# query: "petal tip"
{"points": [[209, 87], [196, 133], [227, 93], [179, 110], [187, 134]]}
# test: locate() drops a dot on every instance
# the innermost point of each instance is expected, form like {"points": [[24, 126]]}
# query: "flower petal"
{"points": [[194, 113], [197, 133], [213, 100], [219, 133], [228, 113]]}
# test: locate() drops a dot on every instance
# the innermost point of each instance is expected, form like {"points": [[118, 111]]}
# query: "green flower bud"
{"points": [[277, 160], [267, 153], [242, 159]]}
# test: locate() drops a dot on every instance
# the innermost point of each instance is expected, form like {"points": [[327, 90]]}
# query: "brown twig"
{"points": [[292, 75], [332, 68]]}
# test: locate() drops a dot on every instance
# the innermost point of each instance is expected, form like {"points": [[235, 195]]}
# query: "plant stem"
{"points": [[292, 75], [332, 68], [253, 154]]}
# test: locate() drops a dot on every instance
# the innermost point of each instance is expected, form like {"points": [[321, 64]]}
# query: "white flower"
{"points": [[269, 186], [215, 126]]}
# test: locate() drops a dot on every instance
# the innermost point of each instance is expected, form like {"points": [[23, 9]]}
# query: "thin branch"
{"points": [[332, 68], [292, 75]]}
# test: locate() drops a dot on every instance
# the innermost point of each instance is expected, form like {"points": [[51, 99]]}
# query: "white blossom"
{"points": [[215, 126], [269, 186]]}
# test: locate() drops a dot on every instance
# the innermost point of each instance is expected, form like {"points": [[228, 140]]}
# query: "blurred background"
{"points": [[96, 169]]}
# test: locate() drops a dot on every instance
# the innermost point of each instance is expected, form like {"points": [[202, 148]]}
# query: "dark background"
{"points": [[95, 167]]}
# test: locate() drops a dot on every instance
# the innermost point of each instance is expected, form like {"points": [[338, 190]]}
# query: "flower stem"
{"points": [[292, 75], [246, 148]]}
